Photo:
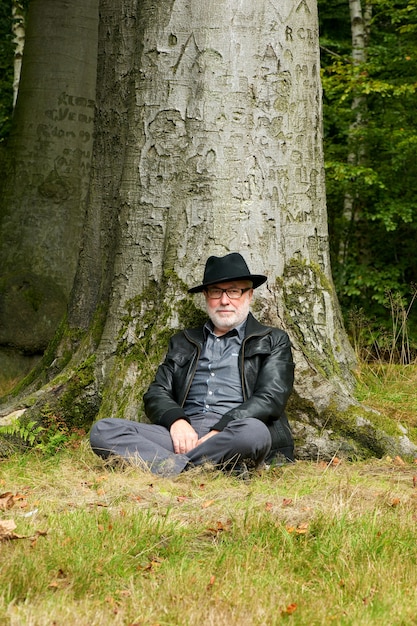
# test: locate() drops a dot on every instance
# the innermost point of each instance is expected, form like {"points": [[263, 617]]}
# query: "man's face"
{"points": [[227, 313]]}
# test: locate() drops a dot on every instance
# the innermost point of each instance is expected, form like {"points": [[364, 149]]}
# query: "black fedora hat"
{"points": [[225, 269]]}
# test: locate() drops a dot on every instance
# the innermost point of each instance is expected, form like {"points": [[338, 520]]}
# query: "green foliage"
{"points": [[25, 432], [371, 156], [47, 439]]}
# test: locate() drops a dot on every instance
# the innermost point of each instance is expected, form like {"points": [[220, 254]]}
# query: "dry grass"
{"points": [[390, 389]]}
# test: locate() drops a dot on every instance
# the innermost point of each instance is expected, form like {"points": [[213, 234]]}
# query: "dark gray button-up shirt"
{"points": [[216, 387]]}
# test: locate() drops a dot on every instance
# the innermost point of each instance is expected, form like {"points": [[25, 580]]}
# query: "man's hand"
{"points": [[209, 434], [184, 438]]}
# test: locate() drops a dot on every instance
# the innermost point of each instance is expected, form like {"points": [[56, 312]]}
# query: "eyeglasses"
{"points": [[233, 292]]}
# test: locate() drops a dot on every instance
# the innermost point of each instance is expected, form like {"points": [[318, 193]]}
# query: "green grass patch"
{"points": [[308, 543]]}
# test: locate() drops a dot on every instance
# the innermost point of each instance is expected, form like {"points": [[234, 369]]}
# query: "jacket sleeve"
{"points": [[269, 378], [161, 406]]}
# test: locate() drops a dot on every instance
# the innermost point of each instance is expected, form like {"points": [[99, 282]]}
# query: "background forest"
{"points": [[369, 70]]}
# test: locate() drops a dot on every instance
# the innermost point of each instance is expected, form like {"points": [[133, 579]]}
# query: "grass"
{"points": [[305, 544], [390, 389], [309, 543]]}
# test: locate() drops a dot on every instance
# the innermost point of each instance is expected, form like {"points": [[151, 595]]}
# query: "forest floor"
{"points": [[309, 543]]}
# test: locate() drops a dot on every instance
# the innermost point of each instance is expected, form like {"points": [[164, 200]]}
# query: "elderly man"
{"points": [[220, 394]]}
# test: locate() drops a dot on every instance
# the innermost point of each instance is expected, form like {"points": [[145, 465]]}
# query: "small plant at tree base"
{"points": [[48, 438], [27, 433]]}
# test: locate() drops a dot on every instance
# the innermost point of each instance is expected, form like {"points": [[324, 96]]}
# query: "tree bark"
{"points": [[19, 41], [50, 147], [360, 20]]}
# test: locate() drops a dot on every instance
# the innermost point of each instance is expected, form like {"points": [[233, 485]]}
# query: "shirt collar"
{"points": [[237, 330]]}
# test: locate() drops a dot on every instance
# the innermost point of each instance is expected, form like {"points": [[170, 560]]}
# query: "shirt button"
{"points": [[213, 374]]}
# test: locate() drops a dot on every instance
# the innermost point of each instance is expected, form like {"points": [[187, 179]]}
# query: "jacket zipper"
{"points": [[194, 370], [242, 360]]}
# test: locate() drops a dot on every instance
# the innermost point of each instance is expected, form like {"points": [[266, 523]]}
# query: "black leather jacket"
{"points": [[267, 372]]}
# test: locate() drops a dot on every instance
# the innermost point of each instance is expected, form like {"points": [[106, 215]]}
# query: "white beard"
{"points": [[231, 319]]}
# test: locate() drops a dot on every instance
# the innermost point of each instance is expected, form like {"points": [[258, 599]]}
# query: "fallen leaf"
{"points": [[302, 528], [152, 565], [414, 481], [268, 506], [395, 501], [286, 501], [53, 585], [289, 610], [6, 501], [7, 527], [211, 582], [398, 461], [60, 581], [219, 528], [207, 503], [181, 498]]}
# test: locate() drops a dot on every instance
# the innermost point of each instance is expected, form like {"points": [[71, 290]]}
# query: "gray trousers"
{"points": [[241, 440]]}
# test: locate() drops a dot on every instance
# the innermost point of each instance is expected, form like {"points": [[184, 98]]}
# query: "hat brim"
{"points": [[257, 280]]}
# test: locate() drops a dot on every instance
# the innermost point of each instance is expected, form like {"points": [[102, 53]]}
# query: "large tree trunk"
{"points": [[50, 148], [208, 140]]}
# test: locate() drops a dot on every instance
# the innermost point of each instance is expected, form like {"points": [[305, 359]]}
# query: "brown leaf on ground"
{"points": [[219, 528], [301, 529], [6, 501], [289, 610], [211, 582], [60, 581], [7, 527]]}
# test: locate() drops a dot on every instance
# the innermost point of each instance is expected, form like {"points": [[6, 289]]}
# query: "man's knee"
{"points": [[253, 436], [100, 434]]}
